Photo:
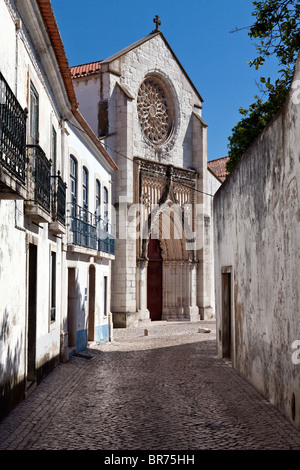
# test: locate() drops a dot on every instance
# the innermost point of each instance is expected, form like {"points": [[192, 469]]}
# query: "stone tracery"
{"points": [[154, 111]]}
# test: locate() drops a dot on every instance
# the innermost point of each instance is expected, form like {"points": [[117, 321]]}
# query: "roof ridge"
{"points": [[86, 63]]}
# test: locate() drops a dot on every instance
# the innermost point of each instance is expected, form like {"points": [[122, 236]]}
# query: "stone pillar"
{"points": [[173, 309], [194, 310], [143, 312], [187, 288], [166, 290], [178, 290]]}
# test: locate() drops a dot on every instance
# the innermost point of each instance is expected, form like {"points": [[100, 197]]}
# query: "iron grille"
{"points": [[86, 230], [12, 132], [40, 168], [59, 199]]}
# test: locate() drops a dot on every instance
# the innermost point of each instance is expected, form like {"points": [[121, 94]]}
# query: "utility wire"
{"points": [[131, 160]]}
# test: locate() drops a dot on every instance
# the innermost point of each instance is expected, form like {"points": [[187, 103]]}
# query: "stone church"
{"points": [[146, 111]]}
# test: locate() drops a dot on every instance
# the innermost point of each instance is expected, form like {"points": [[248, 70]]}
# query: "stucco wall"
{"points": [[213, 184], [20, 64], [83, 258], [257, 239]]}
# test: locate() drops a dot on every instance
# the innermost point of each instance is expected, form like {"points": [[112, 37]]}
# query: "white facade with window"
{"points": [[31, 231], [37, 245]]}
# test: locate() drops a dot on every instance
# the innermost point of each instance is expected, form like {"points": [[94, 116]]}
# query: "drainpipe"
{"points": [[18, 29]]}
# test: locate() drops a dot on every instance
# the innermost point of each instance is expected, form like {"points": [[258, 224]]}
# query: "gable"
{"points": [[115, 60]]}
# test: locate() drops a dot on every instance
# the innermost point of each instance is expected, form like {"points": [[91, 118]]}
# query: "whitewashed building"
{"points": [[90, 243], [147, 111], [39, 131], [257, 260]]}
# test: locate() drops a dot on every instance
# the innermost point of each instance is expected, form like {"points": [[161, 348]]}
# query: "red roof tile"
{"points": [[218, 167], [86, 69], [58, 47], [56, 41]]}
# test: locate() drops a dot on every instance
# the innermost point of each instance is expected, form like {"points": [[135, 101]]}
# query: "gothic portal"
{"points": [[147, 112]]}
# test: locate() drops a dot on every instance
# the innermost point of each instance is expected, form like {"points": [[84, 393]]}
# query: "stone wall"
{"points": [[117, 105], [257, 261]]}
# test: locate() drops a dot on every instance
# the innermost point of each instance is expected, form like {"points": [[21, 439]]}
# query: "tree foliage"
{"points": [[277, 26]]}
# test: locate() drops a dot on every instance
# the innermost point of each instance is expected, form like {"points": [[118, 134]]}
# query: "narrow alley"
{"points": [[160, 389]]}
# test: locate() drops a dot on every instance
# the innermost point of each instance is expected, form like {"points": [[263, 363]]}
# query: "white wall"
{"points": [[213, 184], [19, 63], [81, 258], [257, 235]]}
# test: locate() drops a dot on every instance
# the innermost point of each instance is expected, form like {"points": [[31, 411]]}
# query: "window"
{"points": [[105, 295], [105, 197], [85, 180], [98, 195], [73, 179], [105, 192], [53, 287], [34, 116]]}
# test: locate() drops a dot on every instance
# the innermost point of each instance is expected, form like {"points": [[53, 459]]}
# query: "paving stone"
{"points": [[167, 390]]}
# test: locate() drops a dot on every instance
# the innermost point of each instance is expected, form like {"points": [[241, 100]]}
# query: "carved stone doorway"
{"points": [[154, 280]]}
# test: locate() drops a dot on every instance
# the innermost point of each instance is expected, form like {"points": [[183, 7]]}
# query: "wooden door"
{"points": [[226, 315], [154, 280], [72, 307], [91, 317]]}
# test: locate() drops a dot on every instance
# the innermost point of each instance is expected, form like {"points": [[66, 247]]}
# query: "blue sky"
{"points": [[198, 32]]}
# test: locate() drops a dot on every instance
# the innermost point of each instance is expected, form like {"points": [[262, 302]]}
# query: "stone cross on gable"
{"points": [[157, 21]]}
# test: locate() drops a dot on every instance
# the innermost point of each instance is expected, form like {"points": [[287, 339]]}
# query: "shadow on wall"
{"points": [[12, 385], [188, 145], [76, 321]]}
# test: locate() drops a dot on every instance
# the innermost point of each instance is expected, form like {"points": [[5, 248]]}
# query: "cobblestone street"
{"points": [[164, 391]]}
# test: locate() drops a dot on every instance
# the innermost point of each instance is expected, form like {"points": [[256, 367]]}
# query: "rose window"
{"points": [[154, 111]]}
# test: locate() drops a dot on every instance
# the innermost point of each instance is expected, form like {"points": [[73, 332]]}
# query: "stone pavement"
{"points": [[164, 391]]}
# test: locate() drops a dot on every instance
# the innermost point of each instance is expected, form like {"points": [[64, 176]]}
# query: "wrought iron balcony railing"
{"points": [[58, 199], [12, 132], [40, 177], [89, 230]]}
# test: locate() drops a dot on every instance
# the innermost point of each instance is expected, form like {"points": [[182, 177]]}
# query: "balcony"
{"points": [[89, 231], [38, 203], [12, 144], [58, 205]]}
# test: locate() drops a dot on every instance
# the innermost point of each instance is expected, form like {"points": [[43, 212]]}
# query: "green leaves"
{"points": [[254, 120], [277, 26]]}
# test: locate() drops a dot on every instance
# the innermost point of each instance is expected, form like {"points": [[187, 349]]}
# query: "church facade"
{"points": [[147, 112]]}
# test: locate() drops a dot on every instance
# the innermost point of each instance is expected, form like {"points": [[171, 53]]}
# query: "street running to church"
{"points": [[144, 393]]}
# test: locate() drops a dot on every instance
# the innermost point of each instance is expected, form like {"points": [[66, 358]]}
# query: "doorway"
{"points": [[32, 298], [72, 307], [226, 314], [91, 317], [154, 280]]}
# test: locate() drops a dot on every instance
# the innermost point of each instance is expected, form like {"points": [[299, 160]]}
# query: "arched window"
{"points": [[98, 195], [73, 179], [85, 187], [105, 201], [105, 193]]}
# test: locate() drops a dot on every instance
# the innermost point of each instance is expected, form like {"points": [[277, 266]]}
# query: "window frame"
{"points": [[97, 195], [34, 115], [73, 179], [53, 282], [85, 187]]}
